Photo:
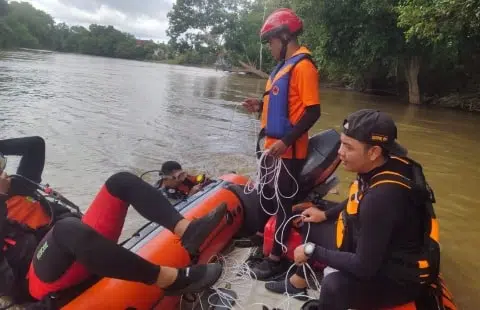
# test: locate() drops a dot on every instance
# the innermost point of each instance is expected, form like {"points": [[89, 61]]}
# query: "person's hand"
{"points": [[314, 215], [4, 183], [195, 189], [251, 104], [299, 255], [277, 149]]}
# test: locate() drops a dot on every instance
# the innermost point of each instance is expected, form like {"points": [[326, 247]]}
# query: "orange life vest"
{"points": [[189, 182], [27, 211], [24, 214]]}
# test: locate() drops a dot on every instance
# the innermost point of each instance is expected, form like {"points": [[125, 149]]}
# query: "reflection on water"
{"points": [[101, 115]]}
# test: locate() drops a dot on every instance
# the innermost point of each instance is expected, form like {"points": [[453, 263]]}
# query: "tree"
{"points": [[5, 30], [452, 30], [3, 8], [439, 21], [242, 40], [36, 25], [200, 25], [360, 42], [21, 25]]}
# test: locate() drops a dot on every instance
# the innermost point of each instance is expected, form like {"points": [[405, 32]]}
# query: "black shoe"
{"points": [[195, 279], [267, 269], [280, 288], [200, 229], [250, 242], [311, 305]]}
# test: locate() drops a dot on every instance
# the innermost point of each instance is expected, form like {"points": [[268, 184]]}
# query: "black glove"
{"points": [[7, 278]]}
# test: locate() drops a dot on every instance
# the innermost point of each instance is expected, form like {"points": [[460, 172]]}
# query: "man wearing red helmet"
{"points": [[290, 107]]}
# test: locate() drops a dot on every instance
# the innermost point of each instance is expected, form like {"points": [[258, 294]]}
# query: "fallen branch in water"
{"points": [[253, 70]]}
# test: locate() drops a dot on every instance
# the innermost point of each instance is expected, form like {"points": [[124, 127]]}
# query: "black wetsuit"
{"points": [[388, 223]]}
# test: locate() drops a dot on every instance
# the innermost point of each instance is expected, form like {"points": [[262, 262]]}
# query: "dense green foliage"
{"points": [[21, 25], [420, 49], [423, 49]]}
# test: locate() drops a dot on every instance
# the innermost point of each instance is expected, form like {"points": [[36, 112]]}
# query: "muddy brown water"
{"points": [[101, 115]]}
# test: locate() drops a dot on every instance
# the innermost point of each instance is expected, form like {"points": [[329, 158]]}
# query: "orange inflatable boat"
{"points": [[161, 247]]}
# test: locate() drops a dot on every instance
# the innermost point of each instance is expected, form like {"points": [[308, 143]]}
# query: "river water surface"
{"points": [[101, 115]]}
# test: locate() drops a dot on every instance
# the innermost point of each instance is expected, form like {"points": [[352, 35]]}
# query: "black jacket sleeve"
{"points": [[379, 212], [32, 152], [334, 212], [311, 115]]}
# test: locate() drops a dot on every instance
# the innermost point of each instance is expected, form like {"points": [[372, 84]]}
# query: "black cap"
{"points": [[375, 128], [170, 166]]}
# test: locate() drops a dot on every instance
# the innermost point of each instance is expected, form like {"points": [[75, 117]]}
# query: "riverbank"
{"points": [[465, 102], [469, 102]]}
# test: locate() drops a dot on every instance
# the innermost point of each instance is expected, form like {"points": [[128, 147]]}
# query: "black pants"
{"points": [[286, 186], [73, 240], [32, 152], [342, 291]]}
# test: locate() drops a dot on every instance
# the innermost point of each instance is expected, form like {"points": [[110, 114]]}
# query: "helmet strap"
{"points": [[283, 52], [285, 40]]}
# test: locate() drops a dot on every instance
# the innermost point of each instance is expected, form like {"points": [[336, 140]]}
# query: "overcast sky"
{"points": [[146, 19]]}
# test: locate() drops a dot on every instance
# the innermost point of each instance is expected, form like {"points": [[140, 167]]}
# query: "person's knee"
{"points": [[70, 231], [37, 143], [119, 183], [333, 286]]}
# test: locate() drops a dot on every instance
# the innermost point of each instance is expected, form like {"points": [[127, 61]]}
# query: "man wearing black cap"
{"points": [[378, 239]]}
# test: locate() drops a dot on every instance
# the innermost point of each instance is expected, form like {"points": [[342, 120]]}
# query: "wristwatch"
{"points": [[309, 248]]}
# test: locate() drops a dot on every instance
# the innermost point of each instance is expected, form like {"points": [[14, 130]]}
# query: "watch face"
{"points": [[309, 249]]}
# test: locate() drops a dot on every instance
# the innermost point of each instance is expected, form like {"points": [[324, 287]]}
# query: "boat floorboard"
{"points": [[251, 293]]}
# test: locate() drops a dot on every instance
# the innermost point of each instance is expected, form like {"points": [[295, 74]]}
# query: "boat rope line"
{"points": [[238, 275], [253, 122], [270, 177]]}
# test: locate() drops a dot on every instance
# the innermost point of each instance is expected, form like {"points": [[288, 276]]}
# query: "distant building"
{"points": [[142, 42]]}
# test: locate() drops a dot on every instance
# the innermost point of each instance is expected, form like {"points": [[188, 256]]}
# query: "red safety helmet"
{"points": [[281, 21]]}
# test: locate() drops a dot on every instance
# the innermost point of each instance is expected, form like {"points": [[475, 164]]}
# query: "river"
{"points": [[101, 115]]}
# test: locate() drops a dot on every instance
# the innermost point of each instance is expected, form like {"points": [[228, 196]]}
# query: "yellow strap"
{"points": [[423, 264], [395, 178], [389, 181], [390, 172], [435, 230], [400, 159], [281, 73]]}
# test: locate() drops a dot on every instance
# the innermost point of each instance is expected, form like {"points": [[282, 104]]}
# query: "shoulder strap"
{"points": [[276, 69], [390, 177], [305, 57]]}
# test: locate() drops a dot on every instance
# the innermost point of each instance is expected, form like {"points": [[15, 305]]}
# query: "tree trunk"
{"points": [[253, 70], [412, 69]]}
